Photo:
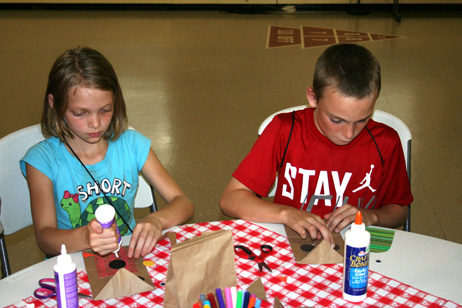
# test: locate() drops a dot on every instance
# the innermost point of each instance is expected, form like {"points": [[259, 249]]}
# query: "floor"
{"points": [[199, 82]]}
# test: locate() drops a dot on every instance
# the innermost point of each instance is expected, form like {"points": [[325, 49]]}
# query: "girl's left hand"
{"points": [[145, 236]]}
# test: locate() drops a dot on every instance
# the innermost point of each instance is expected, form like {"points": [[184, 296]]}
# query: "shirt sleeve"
{"points": [[41, 158], [395, 187]]}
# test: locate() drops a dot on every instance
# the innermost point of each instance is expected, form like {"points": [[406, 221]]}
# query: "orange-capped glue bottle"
{"points": [[356, 262]]}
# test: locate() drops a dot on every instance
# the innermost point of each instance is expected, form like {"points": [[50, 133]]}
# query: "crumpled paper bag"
{"points": [[199, 266], [310, 251]]}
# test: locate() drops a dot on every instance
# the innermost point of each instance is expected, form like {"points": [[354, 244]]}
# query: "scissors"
{"points": [[48, 289], [245, 252]]}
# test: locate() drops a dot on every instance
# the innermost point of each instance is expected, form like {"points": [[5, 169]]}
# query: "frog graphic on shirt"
{"points": [[70, 203]]}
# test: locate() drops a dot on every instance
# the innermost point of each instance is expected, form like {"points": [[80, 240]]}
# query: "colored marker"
{"points": [[206, 304], [246, 296], [221, 302], [239, 299], [252, 300], [229, 298], [211, 298], [234, 296], [257, 303], [202, 298]]}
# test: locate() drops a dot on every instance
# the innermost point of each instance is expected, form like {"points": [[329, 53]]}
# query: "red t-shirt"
{"points": [[318, 175]]}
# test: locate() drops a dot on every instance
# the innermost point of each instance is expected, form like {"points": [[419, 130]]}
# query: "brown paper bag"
{"points": [[310, 251], [199, 266], [107, 282]]}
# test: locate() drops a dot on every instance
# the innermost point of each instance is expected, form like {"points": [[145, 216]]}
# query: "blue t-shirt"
{"points": [[76, 195]]}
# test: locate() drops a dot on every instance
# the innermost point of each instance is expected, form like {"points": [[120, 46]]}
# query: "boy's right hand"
{"points": [[102, 241], [305, 223]]}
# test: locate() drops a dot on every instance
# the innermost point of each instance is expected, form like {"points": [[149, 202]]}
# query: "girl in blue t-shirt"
{"points": [[90, 157]]}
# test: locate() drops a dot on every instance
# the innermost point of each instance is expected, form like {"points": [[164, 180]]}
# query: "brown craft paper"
{"points": [[278, 304], [322, 253], [199, 266], [123, 283], [258, 289]]}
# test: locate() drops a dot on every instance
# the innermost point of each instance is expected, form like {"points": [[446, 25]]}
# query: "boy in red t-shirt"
{"points": [[338, 161]]}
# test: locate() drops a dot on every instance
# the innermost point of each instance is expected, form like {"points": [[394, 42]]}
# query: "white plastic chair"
{"points": [[378, 116], [15, 211]]}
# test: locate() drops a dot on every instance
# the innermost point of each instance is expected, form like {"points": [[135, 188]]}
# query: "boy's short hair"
{"points": [[351, 69], [81, 67]]}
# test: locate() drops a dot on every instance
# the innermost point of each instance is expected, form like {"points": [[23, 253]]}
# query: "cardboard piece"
{"points": [[322, 254], [199, 266], [258, 289], [308, 251], [278, 304], [122, 283]]}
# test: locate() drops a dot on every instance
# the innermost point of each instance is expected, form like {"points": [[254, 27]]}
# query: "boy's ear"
{"points": [[51, 100], [311, 97]]}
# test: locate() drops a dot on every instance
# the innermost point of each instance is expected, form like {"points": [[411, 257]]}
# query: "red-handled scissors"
{"points": [[48, 289], [245, 252]]}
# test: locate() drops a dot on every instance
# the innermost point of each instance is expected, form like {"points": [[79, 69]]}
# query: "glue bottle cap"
{"points": [[358, 226], [359, 218], [64, 258]]}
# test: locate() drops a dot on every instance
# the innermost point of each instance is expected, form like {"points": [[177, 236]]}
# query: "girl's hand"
{"points": [[145, 236], [102, 241]]}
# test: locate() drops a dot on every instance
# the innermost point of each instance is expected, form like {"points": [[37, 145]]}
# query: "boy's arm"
{"points": [[388, 215], [49, 237], [179, 208], [239, 201]]}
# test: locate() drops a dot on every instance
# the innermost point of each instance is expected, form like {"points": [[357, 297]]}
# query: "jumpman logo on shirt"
{"points": [[366, 182]]}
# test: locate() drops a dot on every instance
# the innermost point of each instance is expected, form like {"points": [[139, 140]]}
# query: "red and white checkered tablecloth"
{"points": [[307, 285]]}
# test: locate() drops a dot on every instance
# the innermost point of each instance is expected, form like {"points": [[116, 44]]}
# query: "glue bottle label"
{"points": [[66, 290], [356, 270]]}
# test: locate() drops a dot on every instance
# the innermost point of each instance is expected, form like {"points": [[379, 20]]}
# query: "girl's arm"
{"points": [[49, 237], [179, 208]]}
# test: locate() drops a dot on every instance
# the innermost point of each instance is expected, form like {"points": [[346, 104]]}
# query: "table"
{"points": [[429, 264]]}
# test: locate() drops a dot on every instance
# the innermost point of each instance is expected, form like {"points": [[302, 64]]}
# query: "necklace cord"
{"points": [[97, 183]]}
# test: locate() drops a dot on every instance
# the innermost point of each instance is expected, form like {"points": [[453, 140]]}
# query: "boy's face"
{"points": [[340, 118]]}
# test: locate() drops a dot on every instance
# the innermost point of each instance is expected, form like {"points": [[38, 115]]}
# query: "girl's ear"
{"points": [[311, 97], [51, 100]]}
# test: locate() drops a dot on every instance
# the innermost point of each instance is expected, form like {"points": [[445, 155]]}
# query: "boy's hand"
{"points": [[345, 215], [305, 223], [102, 241], [145, 236]]}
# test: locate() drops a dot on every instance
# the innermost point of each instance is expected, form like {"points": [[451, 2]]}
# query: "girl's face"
{"points": [[89, 113], [340, 118]]}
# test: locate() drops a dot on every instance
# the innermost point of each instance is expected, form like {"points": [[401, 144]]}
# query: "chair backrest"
{"points": [[15, 210], [378, 116]]}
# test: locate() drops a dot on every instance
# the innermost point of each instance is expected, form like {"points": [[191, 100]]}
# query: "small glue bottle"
{"points": [[66, 281], [356, 262]]}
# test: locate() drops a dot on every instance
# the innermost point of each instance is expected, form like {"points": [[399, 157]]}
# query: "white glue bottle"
{"points": [[356, 262], [66, 281]]}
